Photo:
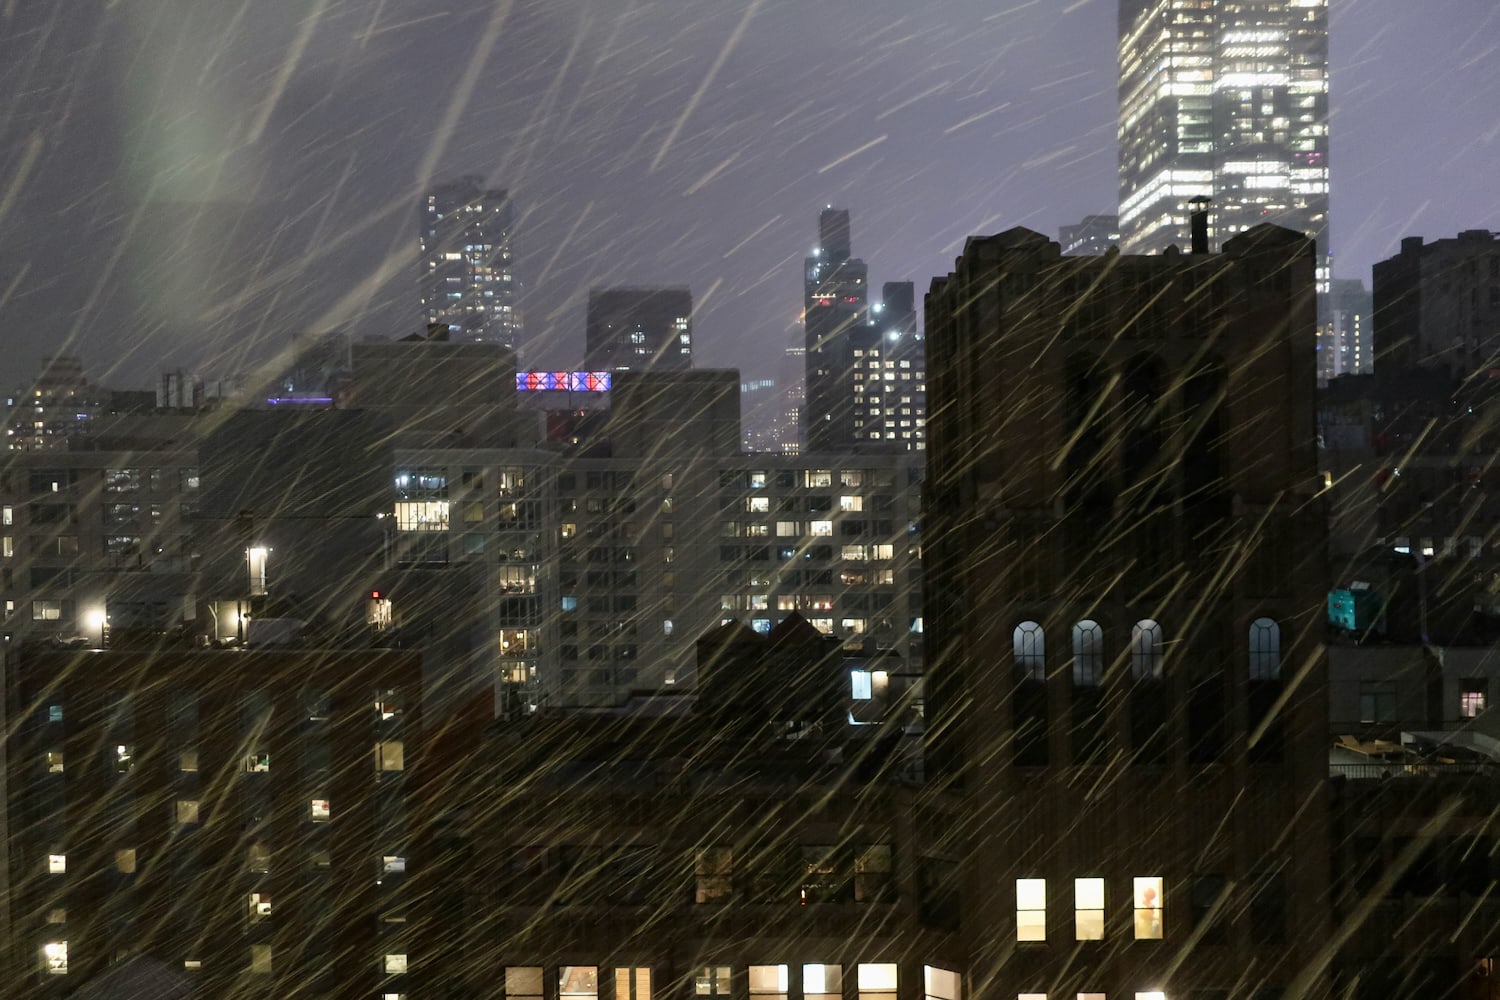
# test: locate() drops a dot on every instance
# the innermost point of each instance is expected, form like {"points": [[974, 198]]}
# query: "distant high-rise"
{"points": [[1091, 237], [640, 329], [890, 375], [835, 304], [1346, 344], [60, 405], [1226, 99], [467, 279]]}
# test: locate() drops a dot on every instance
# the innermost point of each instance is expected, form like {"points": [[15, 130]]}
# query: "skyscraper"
{"points": [[1226, 99], [466, 277], [834, 302], [640, 329]]}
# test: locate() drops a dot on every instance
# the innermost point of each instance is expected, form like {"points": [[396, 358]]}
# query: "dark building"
{"points": [[242, 819], [1124, 581], [640, 329], [466, 277], [1437, 305]]}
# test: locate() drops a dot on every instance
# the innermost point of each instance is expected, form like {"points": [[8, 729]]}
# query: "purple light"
{"points": [[278, 400]]}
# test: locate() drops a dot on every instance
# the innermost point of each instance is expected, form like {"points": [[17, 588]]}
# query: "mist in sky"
{"points": [[190, 184]]}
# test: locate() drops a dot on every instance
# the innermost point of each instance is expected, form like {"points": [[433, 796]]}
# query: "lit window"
{"points": [[821, 529], [260, 959], [55, 958], [1145, 651], [57, 864], [258, 763], [1031, 996], [523, 982], [395, 964], [1472, 697], [1031, 909], [54, 761], [258, 859], [187, 760], [187, 812], [1151, 995], [1088, 908], [941, 984], [877, 981], [390, 755], [1088, 654], [822, 982], [851, 503], [1029, 650], [633, 983], [580, 981], [1265, 650], [125, 861], [319, 811], [1148, 906], [758, 505], [768, 982], [260, 906], [818, 477], [711, 981], [860, 686]]}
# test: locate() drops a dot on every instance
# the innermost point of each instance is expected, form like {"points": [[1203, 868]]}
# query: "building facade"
{"points": [[466, 267], [1437, 305], [835, 307], [240, 819], [1346, 341], [1091, 237], [1124, 581], [1224, 99], [60, 405], [864, 363], [639, 329]]}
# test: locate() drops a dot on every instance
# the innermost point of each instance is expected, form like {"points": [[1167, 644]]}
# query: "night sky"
{"points": [[188, 183]]}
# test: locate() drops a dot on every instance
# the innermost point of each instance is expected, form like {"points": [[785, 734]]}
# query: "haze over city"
{"points": [[182, 184]]}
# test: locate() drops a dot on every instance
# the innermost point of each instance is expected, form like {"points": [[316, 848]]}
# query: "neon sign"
{"points": [[563, 381]]}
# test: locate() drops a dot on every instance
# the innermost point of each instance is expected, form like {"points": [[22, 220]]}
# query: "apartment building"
{"points": [[241, 819]]}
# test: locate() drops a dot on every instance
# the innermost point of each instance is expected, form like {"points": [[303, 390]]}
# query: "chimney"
{"points": [[1198, 217]]}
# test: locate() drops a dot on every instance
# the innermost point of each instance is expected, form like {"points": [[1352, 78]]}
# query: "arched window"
{"points": [[1265, 650], [1088, 654], [1145, 651], [1030, 651]]}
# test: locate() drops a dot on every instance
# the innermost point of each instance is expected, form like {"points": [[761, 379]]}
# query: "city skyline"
{"points": [[179, 225]]}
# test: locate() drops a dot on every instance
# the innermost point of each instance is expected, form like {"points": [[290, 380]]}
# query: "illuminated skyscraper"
{"points": [[1226, 99], [835, 309], [466, 277]]}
